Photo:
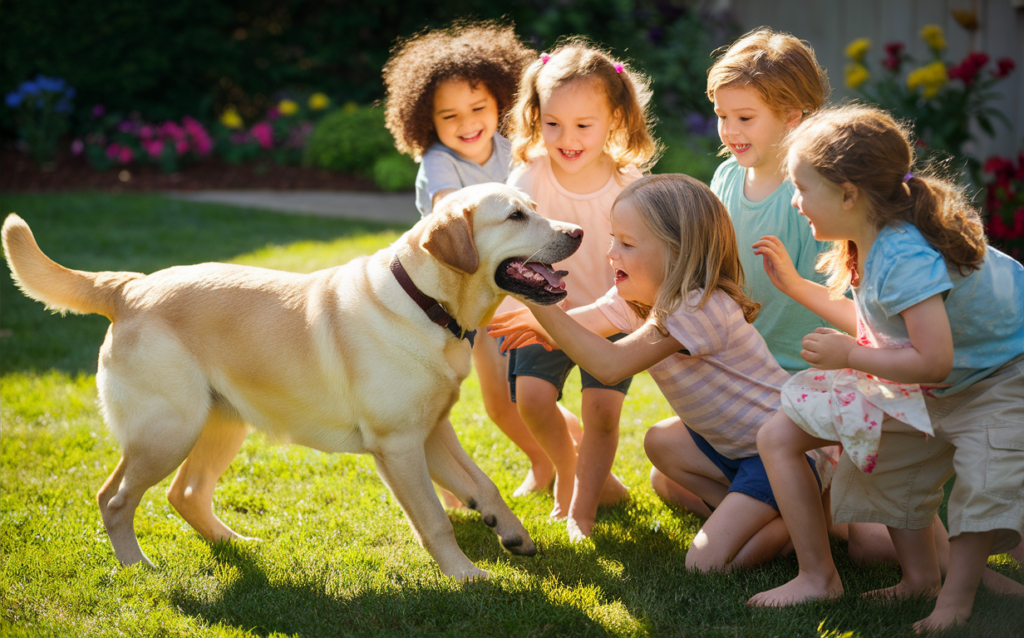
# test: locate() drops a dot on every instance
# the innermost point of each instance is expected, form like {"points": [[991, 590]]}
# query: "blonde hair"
{"points": [[864, 146], [627, 90], [780, 67], [699, 240]]}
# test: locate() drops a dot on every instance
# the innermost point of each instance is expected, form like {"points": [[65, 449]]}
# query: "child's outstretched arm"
{"points": [[841, 313], [581, 334]]}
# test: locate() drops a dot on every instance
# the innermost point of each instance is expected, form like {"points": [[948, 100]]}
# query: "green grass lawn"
{"points": [[337, 556]]}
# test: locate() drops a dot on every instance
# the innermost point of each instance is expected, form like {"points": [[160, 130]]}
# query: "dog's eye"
{"points": [[517, 214]]}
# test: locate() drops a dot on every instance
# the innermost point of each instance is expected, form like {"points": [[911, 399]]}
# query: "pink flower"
{"points": [[264, 134], [172, 130], [870, 463], [77, 147], [153, 147], [125, 155], [273, 113], [146, 132], [113, 150], [181, 147]]}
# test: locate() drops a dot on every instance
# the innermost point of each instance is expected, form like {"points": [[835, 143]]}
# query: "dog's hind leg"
{"points": [[453, 470], [144, 463], [401, 463], [191, 491]]}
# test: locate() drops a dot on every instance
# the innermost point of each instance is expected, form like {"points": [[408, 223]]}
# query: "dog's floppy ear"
{"points": [[449, 239]]}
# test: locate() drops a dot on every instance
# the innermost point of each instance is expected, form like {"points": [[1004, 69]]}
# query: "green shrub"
{"points": [[395, 172], [693, 155], [349, 140]]}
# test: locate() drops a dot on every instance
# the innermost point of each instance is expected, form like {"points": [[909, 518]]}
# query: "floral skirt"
{"points": [[849, 405]]}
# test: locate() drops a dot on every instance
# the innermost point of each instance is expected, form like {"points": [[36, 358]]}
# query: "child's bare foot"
{"points": [[999, 584], [805, 587], [941, 619], [563, 496], [613, 491], [905, 591], [578, 530], [538, 479]]}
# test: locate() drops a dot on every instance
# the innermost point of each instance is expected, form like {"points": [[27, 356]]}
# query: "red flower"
{"points": [[996, 227], [999, 166], [1006, 65], [967, 70], [894, 49], [1018, 224], [892, 63]]}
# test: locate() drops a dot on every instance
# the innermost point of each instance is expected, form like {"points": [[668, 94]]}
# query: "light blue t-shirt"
{"points": [[441, 168], [985, 308], [782, 322]]}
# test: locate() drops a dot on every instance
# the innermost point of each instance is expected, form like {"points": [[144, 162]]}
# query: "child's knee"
{"points": [[655, 447], [774, 435]]}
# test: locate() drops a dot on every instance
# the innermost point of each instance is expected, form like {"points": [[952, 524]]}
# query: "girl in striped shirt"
{"points": [[679, 294]]}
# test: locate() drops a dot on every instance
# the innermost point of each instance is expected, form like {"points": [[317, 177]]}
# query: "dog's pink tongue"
{"points": [[553, 277]]}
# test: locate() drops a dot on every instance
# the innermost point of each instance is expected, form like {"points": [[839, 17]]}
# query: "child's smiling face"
{"points": [[750, 129], [820, 201], [465, 118], [576, 120], [637, 255]]}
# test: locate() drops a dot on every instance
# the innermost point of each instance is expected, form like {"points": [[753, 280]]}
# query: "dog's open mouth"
{"points": [[536, 281]]}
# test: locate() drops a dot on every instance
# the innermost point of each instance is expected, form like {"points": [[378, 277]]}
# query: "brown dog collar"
{"points": [[435, 312]]}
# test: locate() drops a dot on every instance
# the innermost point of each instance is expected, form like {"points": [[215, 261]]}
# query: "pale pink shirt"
{"points": [[590, 273]]}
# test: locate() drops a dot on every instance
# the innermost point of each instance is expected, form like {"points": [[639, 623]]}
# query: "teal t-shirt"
{"points": [[782, 322]]}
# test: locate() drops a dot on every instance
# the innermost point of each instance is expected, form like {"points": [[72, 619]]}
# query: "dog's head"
{"points": [[492, 228]]}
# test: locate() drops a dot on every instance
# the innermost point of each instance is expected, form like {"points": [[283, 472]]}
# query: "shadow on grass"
{"points": [[141, 233], [395, 607]]}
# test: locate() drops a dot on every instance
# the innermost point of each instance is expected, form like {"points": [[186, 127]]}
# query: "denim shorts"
{"points": [[746, 476], [554, 367]]}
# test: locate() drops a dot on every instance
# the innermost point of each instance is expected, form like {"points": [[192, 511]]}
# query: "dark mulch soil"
{"points": [[20, 173]]}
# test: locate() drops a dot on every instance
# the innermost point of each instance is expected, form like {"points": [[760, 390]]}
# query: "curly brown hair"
{"points": [[485, 53]]}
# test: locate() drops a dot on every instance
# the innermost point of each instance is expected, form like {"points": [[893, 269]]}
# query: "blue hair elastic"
{"points": [[908, 177]]}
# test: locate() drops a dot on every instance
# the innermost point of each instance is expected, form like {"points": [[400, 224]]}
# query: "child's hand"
{"points": [[520, 328], [827, 349], [777, 263]]}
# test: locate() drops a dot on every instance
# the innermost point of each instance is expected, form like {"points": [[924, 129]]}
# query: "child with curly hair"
{"points": [[447, 93], [580, 134]]}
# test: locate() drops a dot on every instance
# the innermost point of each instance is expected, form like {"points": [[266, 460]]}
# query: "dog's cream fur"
{"points": [[340, 360]]}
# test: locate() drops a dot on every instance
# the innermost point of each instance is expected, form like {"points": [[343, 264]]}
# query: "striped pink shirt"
{"points": [[728, 386]]}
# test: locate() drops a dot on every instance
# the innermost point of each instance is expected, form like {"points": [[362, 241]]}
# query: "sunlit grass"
{"points": [[337, 556]]}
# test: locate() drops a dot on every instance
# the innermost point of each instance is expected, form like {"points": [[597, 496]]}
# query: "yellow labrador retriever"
{"points": [[366, 357]]}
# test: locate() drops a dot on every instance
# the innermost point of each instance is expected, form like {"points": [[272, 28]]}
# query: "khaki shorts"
{"points": [[979, 434]]}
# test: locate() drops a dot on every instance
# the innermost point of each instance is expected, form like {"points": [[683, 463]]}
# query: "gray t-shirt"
{"points": [[441, 168]]}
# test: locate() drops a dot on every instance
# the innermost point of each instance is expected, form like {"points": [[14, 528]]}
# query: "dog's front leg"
{"points": [[453, 470], [402, 464]]}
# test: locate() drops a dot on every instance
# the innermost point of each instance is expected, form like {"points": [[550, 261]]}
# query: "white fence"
{"points": [[829, 25]]}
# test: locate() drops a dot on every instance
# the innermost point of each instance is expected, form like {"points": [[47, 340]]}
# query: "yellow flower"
{"points": [[930, 78], [287, 107], [350, 107], [933, 37], [857, 49], [230, 118], [856, 75], [318, 101]]}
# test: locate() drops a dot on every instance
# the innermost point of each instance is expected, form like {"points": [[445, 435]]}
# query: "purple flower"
{"points": [[98, 111], [77, 147]]}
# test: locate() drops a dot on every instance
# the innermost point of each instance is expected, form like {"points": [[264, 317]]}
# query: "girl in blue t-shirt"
{"points": [[938, 350]]}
